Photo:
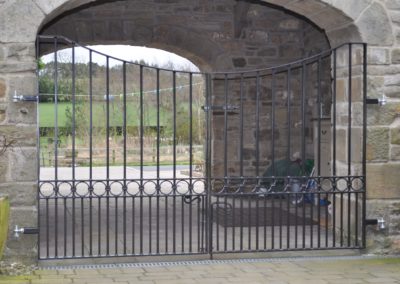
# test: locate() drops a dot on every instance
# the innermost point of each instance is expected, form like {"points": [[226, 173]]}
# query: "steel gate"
{"points": [[138, 160]]}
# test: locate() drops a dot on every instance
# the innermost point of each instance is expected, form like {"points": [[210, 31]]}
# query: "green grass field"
{"points": [[47, 114]]}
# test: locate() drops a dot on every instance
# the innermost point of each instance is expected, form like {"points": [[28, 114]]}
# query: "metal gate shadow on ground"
{"points": [[274, 159]]}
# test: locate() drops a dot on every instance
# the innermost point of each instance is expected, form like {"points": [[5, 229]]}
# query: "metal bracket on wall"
{"points": [[21, 98], [382, 101]]}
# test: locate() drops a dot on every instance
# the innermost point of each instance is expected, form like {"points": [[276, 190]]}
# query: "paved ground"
{"points": [[310, 270]]}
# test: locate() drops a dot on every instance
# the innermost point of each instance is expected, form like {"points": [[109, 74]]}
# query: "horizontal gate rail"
{"points": [[145, 161]]}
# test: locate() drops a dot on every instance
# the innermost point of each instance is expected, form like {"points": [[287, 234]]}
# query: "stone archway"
{"points": [[20, 21]]}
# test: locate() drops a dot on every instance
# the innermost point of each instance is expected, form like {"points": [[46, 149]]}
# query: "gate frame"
{"points": [[208, 149]]}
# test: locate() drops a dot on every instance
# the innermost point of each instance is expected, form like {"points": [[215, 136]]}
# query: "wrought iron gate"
{"points": [[132, 165]]}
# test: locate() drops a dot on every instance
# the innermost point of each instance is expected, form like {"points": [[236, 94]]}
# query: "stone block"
{"points": [[375, 26], [391, 91], [268, 52], [377, 144], [14, 67], [23, 164], [3, 168], [22, 136], [395, 135], [382, 115], [25, 16], [356, 145], [3, 109], [239, 62], [20, 51], [357, 89], [375, 83], [49, 6], [396, 56], [3, 88], [391, 80], [341, 90], [20, 194], [290, 24], [383, 181], [378, 56], [392, 4], [394, 153], [341, 143]]}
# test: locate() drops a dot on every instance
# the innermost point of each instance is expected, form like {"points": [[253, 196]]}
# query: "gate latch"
{"points": [[382, 101], [20, 98], [24, 230]]}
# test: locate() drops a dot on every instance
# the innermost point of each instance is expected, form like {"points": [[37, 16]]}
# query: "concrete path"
{"points": [[310, 270]]}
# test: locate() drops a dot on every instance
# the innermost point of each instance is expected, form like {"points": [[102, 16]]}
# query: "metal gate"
{"points": [[138, 160]]}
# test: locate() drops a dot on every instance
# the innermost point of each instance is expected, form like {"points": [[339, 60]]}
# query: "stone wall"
{"points": [[18, 166]]}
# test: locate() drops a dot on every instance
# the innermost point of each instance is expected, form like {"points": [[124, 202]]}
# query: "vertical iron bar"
{"points": [[166, 223], [208, 206], [158, 160], [150, 225], [319, 149], [125, 188], [273, 122], [82, 229], [249, 221], [288, 90], [257, 223], [141, 160], [190, 157], [99, 226], [273, 219], [56, 112], [364, 154], [241, 221], [334, 98], [116, 226], [38, 147], [225, 131], [217, 204], [280, 221], [73, 148], [55, 146], [233, 223], [265, 221], [47, 229], [349, 147], [56, 143], [288, 220], [65, 226], [356, 219], [226, 223], [334, 112], [174, 163], [241, 128], [258, 127], [303, 115], [133, 225], [90, 153], [108, 155], [349, 114], [341, 219], [183, 225]]}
